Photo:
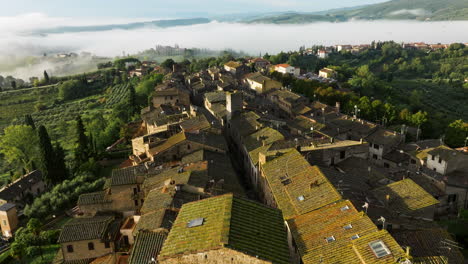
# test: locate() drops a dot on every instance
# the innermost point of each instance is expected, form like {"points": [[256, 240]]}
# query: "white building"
{"points": [[323, 54], [286, 68]]}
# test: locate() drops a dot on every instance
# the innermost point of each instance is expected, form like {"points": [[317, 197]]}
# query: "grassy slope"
{"points": [[430, 9], [436, 10]]}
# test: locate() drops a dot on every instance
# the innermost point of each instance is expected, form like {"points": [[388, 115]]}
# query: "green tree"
{"points": [[28, 120], [168, 63], [82, 148], [71, 89], [46, 78], [456, 134], [59, 168], [17, 251], [132, 100], [20, 146], [47, 155], [34, 226], [418, 119]]}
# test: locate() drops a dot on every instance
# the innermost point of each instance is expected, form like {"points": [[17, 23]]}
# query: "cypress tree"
{"points": [[132, 101], [82, 150], [46, 77], [28, 120], [47, 155], [60, 169]]}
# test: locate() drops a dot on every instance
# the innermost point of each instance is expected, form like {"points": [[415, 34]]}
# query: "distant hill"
{"points": [[396, 9], [413, 9], [156, 23]]}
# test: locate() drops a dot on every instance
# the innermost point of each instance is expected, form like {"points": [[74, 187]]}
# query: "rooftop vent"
{"points": [[195, 222], [344, 208]]}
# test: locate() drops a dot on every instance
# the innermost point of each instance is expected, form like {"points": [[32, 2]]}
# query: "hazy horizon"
{"points": [[177, 9], [18, 41]]}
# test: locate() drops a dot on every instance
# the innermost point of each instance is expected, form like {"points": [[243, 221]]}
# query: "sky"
{"points": [[167, 9]]}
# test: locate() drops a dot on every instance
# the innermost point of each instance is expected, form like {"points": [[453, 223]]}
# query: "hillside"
{"points": [[412, 9], [433, 10], [156, 23]]}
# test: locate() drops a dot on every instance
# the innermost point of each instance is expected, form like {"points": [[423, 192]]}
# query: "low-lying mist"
{"points": [[18, 42]]}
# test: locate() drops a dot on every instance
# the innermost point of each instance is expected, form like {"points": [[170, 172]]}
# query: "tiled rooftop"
{"points": [[405, 197], [225, 221], [290, 177]]}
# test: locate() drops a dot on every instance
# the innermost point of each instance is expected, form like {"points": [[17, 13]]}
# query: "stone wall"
{"points": [[81, 251]]}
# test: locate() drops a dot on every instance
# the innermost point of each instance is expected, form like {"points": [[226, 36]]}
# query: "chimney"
{"points": [[264, 143], [408, 249], [338, 107], [361, 141], [261, 158], [387, 200]]}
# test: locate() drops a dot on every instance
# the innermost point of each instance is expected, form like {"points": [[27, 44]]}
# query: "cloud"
{"points": [[414, 12]]}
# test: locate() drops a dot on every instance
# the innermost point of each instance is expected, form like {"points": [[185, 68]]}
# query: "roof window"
{"points": [[379, 248], [195, 222]]}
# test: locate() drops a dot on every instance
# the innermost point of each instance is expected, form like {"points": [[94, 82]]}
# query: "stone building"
{"points": [[8, 219], [123, 193], [287, 101], [30, 185], [88, 238]]}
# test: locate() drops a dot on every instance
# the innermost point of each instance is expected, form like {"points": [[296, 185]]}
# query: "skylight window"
{"points": [[356, 236], [347, 227], [344, 208], [379, 248], [195, 222], [301, 198], [330, 239]]}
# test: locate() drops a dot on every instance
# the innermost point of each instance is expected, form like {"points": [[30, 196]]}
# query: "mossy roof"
{"points": [[79, 229], [216, 97], [257, 77], [286, 95], [264, 136], [445, 153], [93, 198], [384, 137], [406, 197], [147, 246], [297, 186], [304, 124], [423, 242], [356, 251], [156, 220], [170, 142], [246, 123], [235, 223], [233, 64], [310, 230]]}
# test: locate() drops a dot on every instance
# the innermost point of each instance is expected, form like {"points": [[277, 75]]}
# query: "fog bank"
{"points": [[253, 38]]}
